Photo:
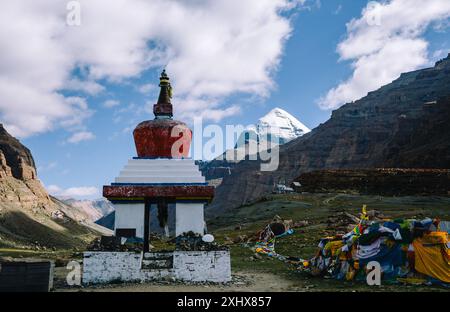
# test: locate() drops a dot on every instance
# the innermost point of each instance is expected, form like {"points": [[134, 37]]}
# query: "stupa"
{"points": [[160, 175]]}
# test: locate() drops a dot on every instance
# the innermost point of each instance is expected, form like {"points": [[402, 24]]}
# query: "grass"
{"points": [[22, 230]]}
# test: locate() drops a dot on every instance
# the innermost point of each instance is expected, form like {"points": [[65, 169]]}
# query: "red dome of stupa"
{"points": [[162, 137]]}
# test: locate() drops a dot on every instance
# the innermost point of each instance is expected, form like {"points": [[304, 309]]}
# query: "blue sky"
{"points": [[78, 122]]}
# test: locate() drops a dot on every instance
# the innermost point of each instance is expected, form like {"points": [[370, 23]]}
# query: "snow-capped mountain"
{"points": [[281, 124], [278, 127]]}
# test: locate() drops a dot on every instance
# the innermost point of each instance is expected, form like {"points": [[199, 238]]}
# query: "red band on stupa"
{"points": [[169, 191]]}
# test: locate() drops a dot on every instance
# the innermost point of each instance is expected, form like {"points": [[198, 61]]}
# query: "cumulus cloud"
{"points": [[81, 136], [148, 87], [89, 87], [212, 49], [111, 103], [384, 42], [76, 192]]}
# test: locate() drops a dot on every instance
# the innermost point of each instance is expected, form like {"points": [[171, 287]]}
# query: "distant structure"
{"points": [[283, 189]]}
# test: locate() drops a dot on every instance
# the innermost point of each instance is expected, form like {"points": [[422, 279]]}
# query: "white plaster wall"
{"points": [[106, 267], [130, 216], [189, 217], [200, 266], [195, 266]]}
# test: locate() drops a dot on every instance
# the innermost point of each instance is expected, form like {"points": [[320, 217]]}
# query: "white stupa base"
{"points": [[189, 214], [130, 216], [192, 266], [189, 217]]}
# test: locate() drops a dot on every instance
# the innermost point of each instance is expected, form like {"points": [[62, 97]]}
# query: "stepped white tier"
{"points": [[160, 171], [154, 173]]}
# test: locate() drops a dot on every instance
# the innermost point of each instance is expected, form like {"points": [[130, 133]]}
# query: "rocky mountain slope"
{"points": [[381, 181], [403, 124], [89, 210], [29, 217], [107, 221]]}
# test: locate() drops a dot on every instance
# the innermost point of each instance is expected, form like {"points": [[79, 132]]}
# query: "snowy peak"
{"points": [[278, 126], [280, 123]]}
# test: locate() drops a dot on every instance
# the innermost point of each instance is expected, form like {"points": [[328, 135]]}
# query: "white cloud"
{"points": [[207, 109], [81, 136], [212, 49], [76, 192], [89, 87], [148, 87], [111, 103], [440, 54], [384, 42]]}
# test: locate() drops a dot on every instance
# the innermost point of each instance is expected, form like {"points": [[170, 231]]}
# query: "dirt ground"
{"points": [[242, 282], [254, 281]]}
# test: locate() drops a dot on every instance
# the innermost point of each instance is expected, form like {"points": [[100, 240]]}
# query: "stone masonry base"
{"points": [[192, 266]]}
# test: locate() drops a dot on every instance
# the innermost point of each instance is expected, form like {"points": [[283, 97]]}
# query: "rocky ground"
{"points": [[250, 281], [242, 281]]}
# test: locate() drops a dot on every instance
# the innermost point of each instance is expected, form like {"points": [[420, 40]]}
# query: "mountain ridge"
{"points": [[89, 210]]}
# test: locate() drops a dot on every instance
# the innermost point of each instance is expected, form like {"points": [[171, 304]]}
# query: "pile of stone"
{"points": [[155, 236], [344, 222], [300, 224], [113, 243], [191, 241]]}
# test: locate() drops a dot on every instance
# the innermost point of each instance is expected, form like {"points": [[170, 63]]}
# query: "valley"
{"points": [[31, 219]]}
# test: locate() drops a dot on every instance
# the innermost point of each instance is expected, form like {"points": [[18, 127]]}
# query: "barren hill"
{"points": [[29, 217]]}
